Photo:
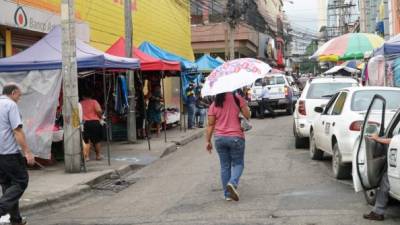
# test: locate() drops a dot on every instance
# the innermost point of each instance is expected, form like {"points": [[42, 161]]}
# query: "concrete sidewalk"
{"points": [[53, 184]]}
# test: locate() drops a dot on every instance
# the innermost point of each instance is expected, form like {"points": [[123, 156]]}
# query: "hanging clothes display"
{"points": [[389, 74], [376, 71], [396, 71], [121, 96]]}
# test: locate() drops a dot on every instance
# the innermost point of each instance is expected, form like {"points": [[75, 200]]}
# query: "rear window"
{"points": [[362, 99], [319, 90], [275, 80], [258, 82]]}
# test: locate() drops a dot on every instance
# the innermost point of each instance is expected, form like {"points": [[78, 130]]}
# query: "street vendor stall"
{"points": [[149, 66], [188, 68], [38, 71]]}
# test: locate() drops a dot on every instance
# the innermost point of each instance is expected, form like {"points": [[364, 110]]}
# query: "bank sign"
{"points": [[26, 17]]}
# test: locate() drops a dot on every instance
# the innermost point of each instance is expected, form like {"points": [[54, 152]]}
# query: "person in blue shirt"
{"points": [[191, 104]]}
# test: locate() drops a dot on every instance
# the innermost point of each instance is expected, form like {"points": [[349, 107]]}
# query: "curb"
{"points": [[86, 186], [190, 138]]}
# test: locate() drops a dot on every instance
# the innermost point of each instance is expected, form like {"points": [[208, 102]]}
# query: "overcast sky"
{"points": [[303, 13]]}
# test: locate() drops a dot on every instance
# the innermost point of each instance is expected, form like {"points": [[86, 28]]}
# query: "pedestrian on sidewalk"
{"points": [[191, 104], [155, 108], [14, 176], [92, 129], [201, 106], [223, 117]]}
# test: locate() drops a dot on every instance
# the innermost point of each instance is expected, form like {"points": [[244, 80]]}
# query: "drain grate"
{"points": [[115, 185]]}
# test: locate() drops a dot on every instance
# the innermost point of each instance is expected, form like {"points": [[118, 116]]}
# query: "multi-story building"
{"points": [[394, 17], [260, 32]]}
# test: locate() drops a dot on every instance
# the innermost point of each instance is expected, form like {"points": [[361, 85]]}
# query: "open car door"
{"points": [[369, 157], [393, 163]]}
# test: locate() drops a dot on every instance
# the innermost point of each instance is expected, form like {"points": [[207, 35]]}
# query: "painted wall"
{"points": [[166, 23]]}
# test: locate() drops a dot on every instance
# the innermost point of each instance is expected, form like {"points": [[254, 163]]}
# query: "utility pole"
{"points": [[72, 139], [231, 23], [131, 76]]}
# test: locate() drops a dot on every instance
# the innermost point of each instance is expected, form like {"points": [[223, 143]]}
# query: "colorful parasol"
{"points": [[233, 75], [347, 47]]}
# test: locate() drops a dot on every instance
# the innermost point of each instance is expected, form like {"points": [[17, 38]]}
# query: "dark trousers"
{"points": [[265, 106], [14, 180]]}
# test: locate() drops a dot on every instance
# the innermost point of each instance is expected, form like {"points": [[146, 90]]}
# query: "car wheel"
{"points": [[340, 170], [315, 153], [253, 112], [299, 142], [370, 196]]}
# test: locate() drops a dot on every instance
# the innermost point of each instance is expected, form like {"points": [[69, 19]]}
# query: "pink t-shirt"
{"points": [[89, 109], [227, 118]]}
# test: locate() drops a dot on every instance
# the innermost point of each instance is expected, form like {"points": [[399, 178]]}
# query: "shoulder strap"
{"points": [[237, 101]]}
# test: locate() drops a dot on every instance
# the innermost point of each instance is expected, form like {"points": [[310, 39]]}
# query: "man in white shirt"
{"points": [[265, 103], [13, 173]]}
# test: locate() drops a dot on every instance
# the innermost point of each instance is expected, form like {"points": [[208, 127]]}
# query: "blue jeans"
{"points": [[191, 108], [231, 156], [201, 114]]}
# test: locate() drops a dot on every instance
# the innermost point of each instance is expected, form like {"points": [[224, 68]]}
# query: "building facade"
{"points": [[394, 17], [259, 32], [31, 19], [164, 23]]}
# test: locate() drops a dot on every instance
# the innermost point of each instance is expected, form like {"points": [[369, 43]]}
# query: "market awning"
{"points": [[155, 51], [390, 47], [206, 63], [46, 55], [147, 62]]}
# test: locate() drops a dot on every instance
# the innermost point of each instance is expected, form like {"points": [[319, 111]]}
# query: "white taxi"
{"points": [[337, 127], [315, 93]]}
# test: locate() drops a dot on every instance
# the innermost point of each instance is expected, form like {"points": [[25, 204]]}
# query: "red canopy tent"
{"points": [[147, 62]]}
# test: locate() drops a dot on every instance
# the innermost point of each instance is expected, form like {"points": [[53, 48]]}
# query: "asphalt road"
{"points": [[280, 185]]}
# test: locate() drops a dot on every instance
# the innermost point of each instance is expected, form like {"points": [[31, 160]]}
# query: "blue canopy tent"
{"points": [[206, 63], [389, 48], [189, 71], [46, 55], [189, 68], [38, 71]]}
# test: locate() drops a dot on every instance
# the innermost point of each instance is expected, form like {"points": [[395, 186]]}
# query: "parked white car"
{"points": [[369, 158], [315, 93], [338, 125]]}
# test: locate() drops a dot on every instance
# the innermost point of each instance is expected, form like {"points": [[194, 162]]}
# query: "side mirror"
{"points": [[318, 109], [292, 83]]}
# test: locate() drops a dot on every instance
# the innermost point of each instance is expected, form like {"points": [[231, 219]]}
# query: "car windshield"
{"points": [[362, 99], [275, 80], [258, 82], [325, 90]]}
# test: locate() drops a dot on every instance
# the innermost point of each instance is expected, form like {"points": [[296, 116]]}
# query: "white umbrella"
{"points": [[233, 75]]}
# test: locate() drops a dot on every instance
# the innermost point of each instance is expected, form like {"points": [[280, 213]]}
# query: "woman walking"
{"points": [[223, 117]]}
